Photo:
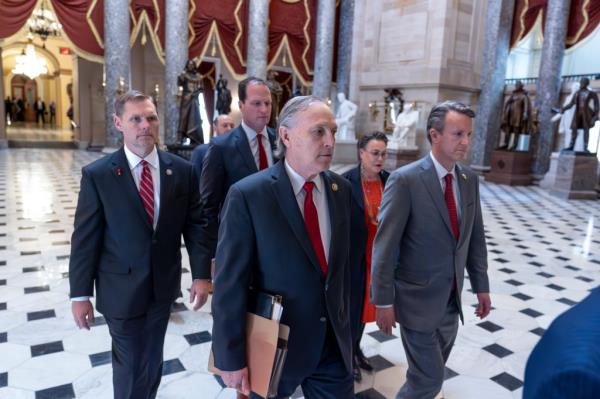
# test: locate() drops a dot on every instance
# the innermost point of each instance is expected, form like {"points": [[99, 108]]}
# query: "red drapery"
{"points": [[83, 25], [584, 17], [13, 15], [151, 13]]}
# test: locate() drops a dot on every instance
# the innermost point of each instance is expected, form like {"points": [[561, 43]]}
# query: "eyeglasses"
{"points": [[377, 154]]}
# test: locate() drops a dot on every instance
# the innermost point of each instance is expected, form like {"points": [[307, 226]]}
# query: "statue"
{"points": [[190, 122], [223, 97], [276, 93], [344, 118], [516, 119], [394, 104], [405, 128], [585, 116]]}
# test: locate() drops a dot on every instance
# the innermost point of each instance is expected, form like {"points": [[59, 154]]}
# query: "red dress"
{"points": [[372, 192]]}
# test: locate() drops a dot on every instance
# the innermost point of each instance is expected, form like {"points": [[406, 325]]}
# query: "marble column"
{"points": [[493, 72], [256, 59], [324, 48], [116, 61], [176, 56], [549, 80], [345, 46], [3, 140]]}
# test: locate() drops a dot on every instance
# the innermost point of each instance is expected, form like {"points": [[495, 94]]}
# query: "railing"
{"points": [[566, 78]]}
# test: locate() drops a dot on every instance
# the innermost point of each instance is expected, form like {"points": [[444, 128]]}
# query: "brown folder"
{"points": [[262, 336]]}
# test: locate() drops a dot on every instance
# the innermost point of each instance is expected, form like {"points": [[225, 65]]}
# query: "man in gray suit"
{"points": [[430, 229]]}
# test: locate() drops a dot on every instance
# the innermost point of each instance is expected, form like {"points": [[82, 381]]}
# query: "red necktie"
{"points": [[147, 191], [262, 155], [451, 205], [311, 220]]}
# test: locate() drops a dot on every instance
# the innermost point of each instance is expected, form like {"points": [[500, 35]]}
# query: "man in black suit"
{"points": [[221, 125], [285, 231], [40, 110], [133, 207], [231, 157]]}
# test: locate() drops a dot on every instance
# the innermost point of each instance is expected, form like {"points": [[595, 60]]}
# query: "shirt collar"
{"points": [[440, 170], [298, 181], [133, 160], [251, 133]]}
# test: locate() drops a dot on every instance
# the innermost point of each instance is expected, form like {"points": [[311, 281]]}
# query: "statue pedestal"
{"points": [[345, 152], [576, 176], [550, 177], [510, 167], [397, 157]]}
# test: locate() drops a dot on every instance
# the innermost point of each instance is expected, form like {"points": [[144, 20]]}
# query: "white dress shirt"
{"points": [[135, 166], [320, 200], [441, 173], [253, 141]]}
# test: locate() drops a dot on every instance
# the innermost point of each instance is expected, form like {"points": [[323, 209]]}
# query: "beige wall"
{"points": [[430, 49]]}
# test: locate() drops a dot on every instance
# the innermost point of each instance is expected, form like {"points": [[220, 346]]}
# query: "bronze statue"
{"points": [[517, 116], [585, 116], [276, 93], [223, 97], [190, 121]]}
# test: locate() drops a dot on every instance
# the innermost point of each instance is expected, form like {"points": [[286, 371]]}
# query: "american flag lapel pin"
{"points": [[464, 176], [334, 187], [119, 171]]}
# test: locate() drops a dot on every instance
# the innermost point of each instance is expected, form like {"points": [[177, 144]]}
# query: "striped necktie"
{"points": [[147, 191]]}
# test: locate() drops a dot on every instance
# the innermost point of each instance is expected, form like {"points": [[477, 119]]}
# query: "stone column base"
{"points": [[576, 176], [399, 157], [550, 177], [345, 152], [510, 167]]}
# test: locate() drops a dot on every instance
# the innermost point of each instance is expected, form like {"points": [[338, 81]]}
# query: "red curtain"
{"points": [[230, 19], [87, 34], [155, 11], [13, 15], [286, 82]]}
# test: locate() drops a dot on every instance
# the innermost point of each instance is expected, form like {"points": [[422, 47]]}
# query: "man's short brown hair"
{"points": [[128, 97]]}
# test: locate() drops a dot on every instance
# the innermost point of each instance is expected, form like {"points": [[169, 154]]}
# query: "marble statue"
{"points": [[394, 105], [517, 117], [344, 118], [566, 118], [405, 128], [223, 97], [190, 121], [587, 108], [276, 93]]}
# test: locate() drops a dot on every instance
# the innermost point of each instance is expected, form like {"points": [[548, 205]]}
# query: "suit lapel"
{"points": [[125, 181], [241, 142], [282, 188], [357, 188], [334, 217], [430, 179], [166, 186], [463, 191]]}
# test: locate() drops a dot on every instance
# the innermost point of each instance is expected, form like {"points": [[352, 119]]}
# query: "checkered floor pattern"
{"points": [[544, 256]]}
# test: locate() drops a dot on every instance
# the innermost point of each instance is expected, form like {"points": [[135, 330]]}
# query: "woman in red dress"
{"points": [[368, 180]]}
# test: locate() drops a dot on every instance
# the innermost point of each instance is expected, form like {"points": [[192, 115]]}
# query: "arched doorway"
{"points": [[24, 90]]}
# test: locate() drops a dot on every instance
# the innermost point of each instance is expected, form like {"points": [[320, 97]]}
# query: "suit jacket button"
{"points": [[323, 319]]}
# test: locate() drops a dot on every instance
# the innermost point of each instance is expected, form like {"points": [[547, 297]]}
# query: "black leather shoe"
{"points": [[363, 362]]}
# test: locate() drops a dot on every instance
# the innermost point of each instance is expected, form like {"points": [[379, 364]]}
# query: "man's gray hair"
{"points": [[287, 117], [437, 116]]}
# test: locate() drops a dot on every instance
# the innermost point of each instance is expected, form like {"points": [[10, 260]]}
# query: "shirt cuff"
{"points": [[384, 306], [80, 298]]}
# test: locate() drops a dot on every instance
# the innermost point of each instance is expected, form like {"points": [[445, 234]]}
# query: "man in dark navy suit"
{"points": [[566, 361], [285, 231], [133, 207], [222, 124], [231, 157]]}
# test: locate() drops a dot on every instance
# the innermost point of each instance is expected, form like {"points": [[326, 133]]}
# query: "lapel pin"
{"points": [[169, 172], [464, 176], [119, 171], [334, 186]]}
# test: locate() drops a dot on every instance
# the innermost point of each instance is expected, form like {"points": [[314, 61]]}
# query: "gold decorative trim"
{"points": [[191, 32], [207, 76], [144, 20], [88, 17], [307, 37], [586, 20], [284, 44], [238, 22]]}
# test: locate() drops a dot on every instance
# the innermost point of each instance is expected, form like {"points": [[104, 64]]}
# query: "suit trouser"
{"points": [[137, 352], [427, 353], [329, 380]]}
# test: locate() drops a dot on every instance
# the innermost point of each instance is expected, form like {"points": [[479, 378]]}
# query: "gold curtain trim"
{"points": [[238, 22], [284, 43], [90, 22], [586, 21], [191, 33], [144, 19], [214, 31]]}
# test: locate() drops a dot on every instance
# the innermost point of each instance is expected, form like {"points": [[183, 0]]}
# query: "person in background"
{"points": [[221, 125], [368, 180]]}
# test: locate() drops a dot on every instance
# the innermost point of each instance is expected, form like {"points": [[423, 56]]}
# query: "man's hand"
{"points": [[237, 380], [83, 313], [386, 319], [199, 292], [485, 304]]}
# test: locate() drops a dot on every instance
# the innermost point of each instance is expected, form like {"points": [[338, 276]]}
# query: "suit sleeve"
{"points": [[393, 217], [212, 193], [87, 239], [192, 232], [477, 258], [235, 257]]}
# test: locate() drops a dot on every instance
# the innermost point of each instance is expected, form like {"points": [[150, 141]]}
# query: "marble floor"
{"points": [[544, 256]]}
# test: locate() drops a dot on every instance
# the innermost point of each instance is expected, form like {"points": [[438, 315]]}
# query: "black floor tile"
{"points": [[47, 348], [507, 270], [531, 312], [3, 379], [380, 363], [567, 301], [32, 269], [198, 338], [571, 267], [3, 337], [61, 392], [172, 366], [449, 373], [508, 381], [2, 305], [537, 264], [381, 337], [522, 296], [501, 260], [498, 350], [370, 393], [555, 287], [546, 275], [514, 282], [27, 253], [102, 358], [177, 307], [41, 314], [98, 321], [34, 290], [585, 279]]}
